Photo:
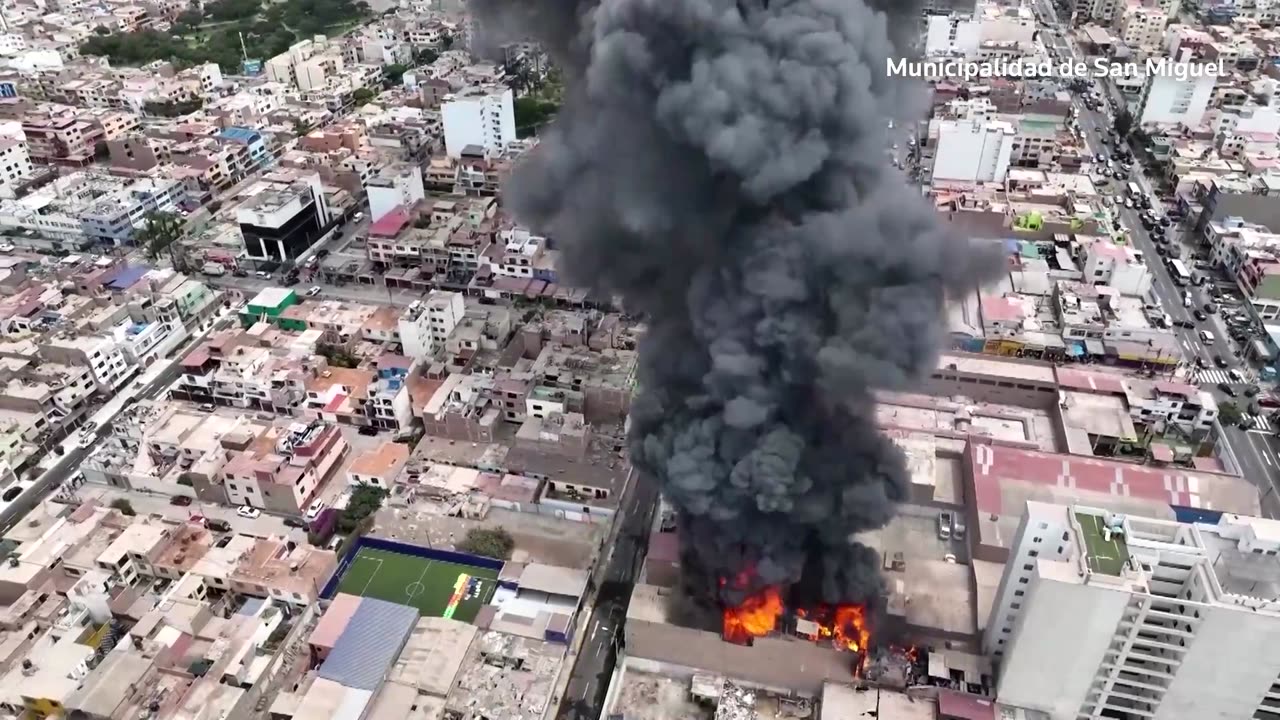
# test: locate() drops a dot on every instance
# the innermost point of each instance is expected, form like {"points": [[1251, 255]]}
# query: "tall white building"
{"points": [[1101, 615], [483, 116], [426, 324], [1168, 100], [973, 150], [395, 186], [1142, 25], [15, 164]]}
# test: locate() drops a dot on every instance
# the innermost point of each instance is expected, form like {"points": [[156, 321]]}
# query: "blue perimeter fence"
{"points": [[376, 543]]}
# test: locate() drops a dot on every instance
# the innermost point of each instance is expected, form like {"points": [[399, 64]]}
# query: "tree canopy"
{"points": [[161, 230], [496, 543], [365, 501], [213, 35]]}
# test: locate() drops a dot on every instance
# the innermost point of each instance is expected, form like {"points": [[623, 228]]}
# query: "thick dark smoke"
{"points": [[720, 165]]}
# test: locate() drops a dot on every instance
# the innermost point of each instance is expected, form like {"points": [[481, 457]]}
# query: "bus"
{"points": [[1134, 190], [1178, 270]]}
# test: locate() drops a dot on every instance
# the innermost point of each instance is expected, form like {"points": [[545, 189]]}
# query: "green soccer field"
{"points": [[429, 585]]}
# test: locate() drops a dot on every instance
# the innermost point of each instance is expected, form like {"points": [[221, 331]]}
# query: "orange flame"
{"points": [[756, 616], [844, 625]]}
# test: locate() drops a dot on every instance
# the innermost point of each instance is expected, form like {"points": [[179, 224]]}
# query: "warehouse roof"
{"points": [[370, 643]]}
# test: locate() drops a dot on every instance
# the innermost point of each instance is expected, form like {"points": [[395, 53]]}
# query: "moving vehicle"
{"points": [[213, 269], [1178, 270], [180, 500], [246, 511], [1134, 190], [1227, 389], [1206, 337], [313, 291]]}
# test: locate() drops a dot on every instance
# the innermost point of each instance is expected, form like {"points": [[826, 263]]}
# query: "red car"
{"points": [[1268, 401]]}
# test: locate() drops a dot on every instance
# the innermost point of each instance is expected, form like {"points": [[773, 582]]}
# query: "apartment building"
{"points": [[1165, 607], [378, 467], [115, 218], [426, 324], [1251, 254], [482, 117], [15, 165], [283, 467], [1168, 100], [1115, 265], [108, 358], [1142, 24], [395, 186]]}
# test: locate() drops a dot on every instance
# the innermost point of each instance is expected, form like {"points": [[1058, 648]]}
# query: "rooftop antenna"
{"points": [[244, 53]]}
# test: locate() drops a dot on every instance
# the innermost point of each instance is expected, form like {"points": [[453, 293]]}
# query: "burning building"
{"points": [[720, 166]]}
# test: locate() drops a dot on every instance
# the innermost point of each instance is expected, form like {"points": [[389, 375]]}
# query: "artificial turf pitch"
{"points": [[435, 587]]}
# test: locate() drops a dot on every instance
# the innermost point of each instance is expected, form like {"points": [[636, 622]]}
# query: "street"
{"points": [[589, 679], [56, 469], [1255, 451]]}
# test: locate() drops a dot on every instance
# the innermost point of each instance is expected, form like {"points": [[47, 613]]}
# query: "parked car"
{"points": [[207, 407], [944, 525], [368, 430], [313, 510], [246, 511], [1210, 308], [313, 291], [295, 523], [958, 528], [180, 500], [217, 525], [1251, 391]]}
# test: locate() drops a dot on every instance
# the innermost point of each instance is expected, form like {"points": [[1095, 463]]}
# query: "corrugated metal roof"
{"points": [[370, 644], [127, 276]]}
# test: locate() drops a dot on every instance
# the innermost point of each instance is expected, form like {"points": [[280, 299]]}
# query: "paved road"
{"points": [[251, 285], [589, 679], [56, 471], [1257, 452]]}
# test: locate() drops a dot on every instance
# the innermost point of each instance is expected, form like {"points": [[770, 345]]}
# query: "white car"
{"points": [[246, 511], [313, 510], [313, 291]]}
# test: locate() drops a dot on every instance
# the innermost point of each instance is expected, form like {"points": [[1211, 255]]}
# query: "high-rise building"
{"points": [[482, 117], [1101, 615]]}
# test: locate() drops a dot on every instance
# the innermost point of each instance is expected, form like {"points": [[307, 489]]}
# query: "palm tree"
{"points": [[160, 232]]}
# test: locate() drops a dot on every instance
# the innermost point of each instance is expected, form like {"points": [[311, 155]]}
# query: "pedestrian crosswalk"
{"points": [[1260, 424], [1213, 376]]}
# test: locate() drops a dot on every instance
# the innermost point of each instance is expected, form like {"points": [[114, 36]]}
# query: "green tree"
{"points": [[337, 357], [395, 73], [1124, 123], [446, 41], [363, 95], [301, 127], [101, 30], [1229, 413], [365, 501], [160, 231], [124, 506], [488, 542], [532, 113], [425, 56]]}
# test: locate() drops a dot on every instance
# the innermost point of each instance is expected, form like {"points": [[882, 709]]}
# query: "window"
{"points": [[1023, 581], [1028, 567], [1034, 553]]}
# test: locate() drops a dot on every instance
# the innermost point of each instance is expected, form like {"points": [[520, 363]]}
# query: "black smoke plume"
{"points": [[720, 165]]}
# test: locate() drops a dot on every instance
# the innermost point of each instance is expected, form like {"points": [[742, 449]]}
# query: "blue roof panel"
{"points": [[369, 645], [127, 276]]}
